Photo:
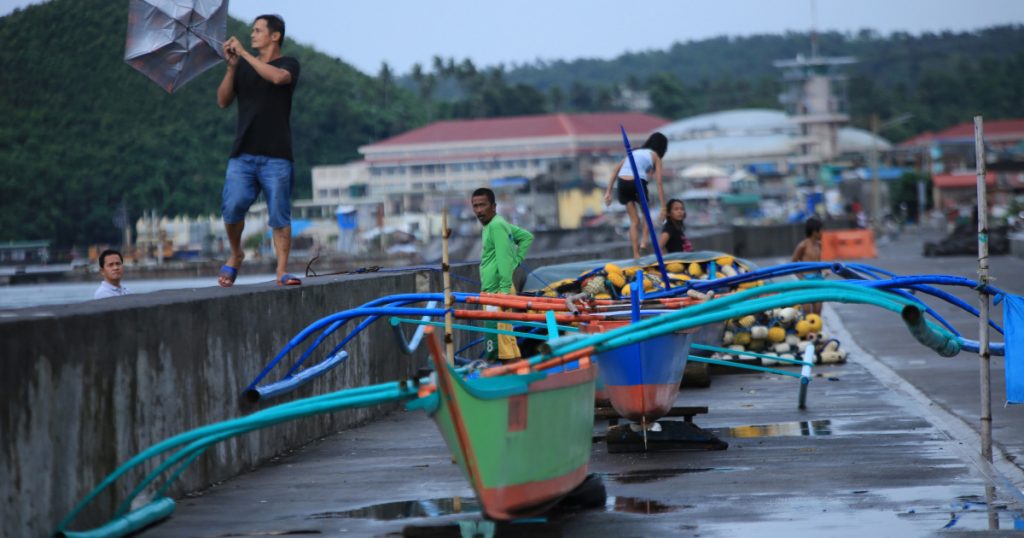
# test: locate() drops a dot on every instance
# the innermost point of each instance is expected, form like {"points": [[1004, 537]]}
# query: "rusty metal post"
{"points": [[449, 344], [983, 280]]}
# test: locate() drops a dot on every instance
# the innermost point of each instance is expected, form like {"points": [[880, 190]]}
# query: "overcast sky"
{"points": [[403, 32]]}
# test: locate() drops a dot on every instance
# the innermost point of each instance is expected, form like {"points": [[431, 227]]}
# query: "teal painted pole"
{"points": [[339, 399], [128, 523], [235, 427], [785, 294], [742, 366], [552, 324], [945, 345], [746, 353]]}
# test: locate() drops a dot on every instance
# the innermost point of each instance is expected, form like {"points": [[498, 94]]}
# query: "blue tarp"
{"points": [[509, 182], [1013, 316], [885, 173], [763, 169], [298, 225]]}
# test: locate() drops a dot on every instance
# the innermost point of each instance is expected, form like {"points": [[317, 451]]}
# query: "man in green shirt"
{"points": [[503, 249]]}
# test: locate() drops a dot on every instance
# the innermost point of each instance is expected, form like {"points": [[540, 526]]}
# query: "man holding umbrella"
{"points": [[261, 158]]}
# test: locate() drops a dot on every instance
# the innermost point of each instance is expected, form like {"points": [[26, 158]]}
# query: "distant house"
{"points": [[949, 155], [952, 150], [24, 252]]}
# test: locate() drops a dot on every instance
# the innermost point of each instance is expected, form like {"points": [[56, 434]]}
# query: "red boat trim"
{"points": [[564, 379], [531, 498], [639, 401]]}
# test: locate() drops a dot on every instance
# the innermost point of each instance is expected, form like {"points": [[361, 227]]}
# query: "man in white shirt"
{"points": [[112, 269]]}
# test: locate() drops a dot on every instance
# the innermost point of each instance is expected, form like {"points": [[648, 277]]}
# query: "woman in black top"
{"points": [[673, 233]]}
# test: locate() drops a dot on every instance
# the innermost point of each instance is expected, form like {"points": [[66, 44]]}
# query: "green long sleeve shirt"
{"points": [[504, 247]]}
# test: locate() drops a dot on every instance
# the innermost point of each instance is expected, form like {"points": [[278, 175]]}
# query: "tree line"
{"points": [[83, 133]]}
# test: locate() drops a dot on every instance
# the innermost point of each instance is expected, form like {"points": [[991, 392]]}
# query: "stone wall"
{"points": [[85, 387]]}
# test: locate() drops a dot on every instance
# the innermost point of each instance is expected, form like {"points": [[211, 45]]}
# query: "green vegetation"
{"points": [[83, 132]]}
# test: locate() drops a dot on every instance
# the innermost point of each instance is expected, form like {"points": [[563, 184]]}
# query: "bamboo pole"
{"points": [[449, 343], [983, 280]]}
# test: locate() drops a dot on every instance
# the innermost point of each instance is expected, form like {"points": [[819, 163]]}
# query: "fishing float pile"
{"points": [[786, 333], [614, 281]]}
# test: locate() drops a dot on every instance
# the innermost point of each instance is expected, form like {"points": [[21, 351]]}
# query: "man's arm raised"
{"points": [[273, 75], [226, 90]]}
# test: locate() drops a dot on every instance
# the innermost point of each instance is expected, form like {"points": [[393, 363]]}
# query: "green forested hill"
{"points": [[941, 78], [81, 130]]}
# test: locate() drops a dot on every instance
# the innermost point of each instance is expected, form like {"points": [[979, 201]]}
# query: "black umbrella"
{"points": [[173, 41]]}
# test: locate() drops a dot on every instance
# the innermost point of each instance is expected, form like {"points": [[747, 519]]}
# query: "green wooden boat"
{"points": [[522, 440]]}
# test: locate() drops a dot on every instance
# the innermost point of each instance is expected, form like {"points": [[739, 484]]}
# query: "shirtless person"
{"points": [[809, 250]]}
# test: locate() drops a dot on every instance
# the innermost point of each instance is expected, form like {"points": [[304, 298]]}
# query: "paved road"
{"points": [[953, 384], [884, 449]]}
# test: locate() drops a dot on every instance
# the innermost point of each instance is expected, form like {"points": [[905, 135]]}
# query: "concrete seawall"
{"points": [[85, 387]]}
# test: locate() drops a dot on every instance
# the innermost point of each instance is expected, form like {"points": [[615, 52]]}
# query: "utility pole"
{"points": [[922, 195], [983, 348], [876, 194]]}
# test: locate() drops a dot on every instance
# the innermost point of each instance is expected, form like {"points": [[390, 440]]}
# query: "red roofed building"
{"points": [[949, 155], [410, 172], [470, 153], [952, 149]]}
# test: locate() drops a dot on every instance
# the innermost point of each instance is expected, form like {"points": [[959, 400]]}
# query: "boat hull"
{"points": [[642, 380], [522, 441]]}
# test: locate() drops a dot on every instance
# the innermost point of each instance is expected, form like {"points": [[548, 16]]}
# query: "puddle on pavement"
{"points": [[635, 505], [971, 513], [913, 511], [643, 476], [408, 509], [806, 428]]}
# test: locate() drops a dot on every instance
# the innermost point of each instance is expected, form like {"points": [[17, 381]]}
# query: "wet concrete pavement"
{"points": [[884, 448]]}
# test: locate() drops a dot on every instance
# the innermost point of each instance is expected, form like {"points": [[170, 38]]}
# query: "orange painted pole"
{"points": [[522, 316]]}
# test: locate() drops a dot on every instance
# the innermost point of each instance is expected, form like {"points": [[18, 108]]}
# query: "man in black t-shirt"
{"points": [[261, 157]]}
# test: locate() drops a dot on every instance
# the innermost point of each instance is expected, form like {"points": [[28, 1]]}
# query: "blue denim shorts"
{"points": [[246, 176]]}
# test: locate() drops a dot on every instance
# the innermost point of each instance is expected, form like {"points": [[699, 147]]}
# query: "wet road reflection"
{"points": [[782, 429]]}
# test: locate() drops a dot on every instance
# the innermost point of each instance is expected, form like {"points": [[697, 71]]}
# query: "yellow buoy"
{"points": [[725, 261], [742, 338], [777, 334], [675, 267], [747, 321], [803, 328], [612, 268], [815, 321], [694, 269], [617, 278]]}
